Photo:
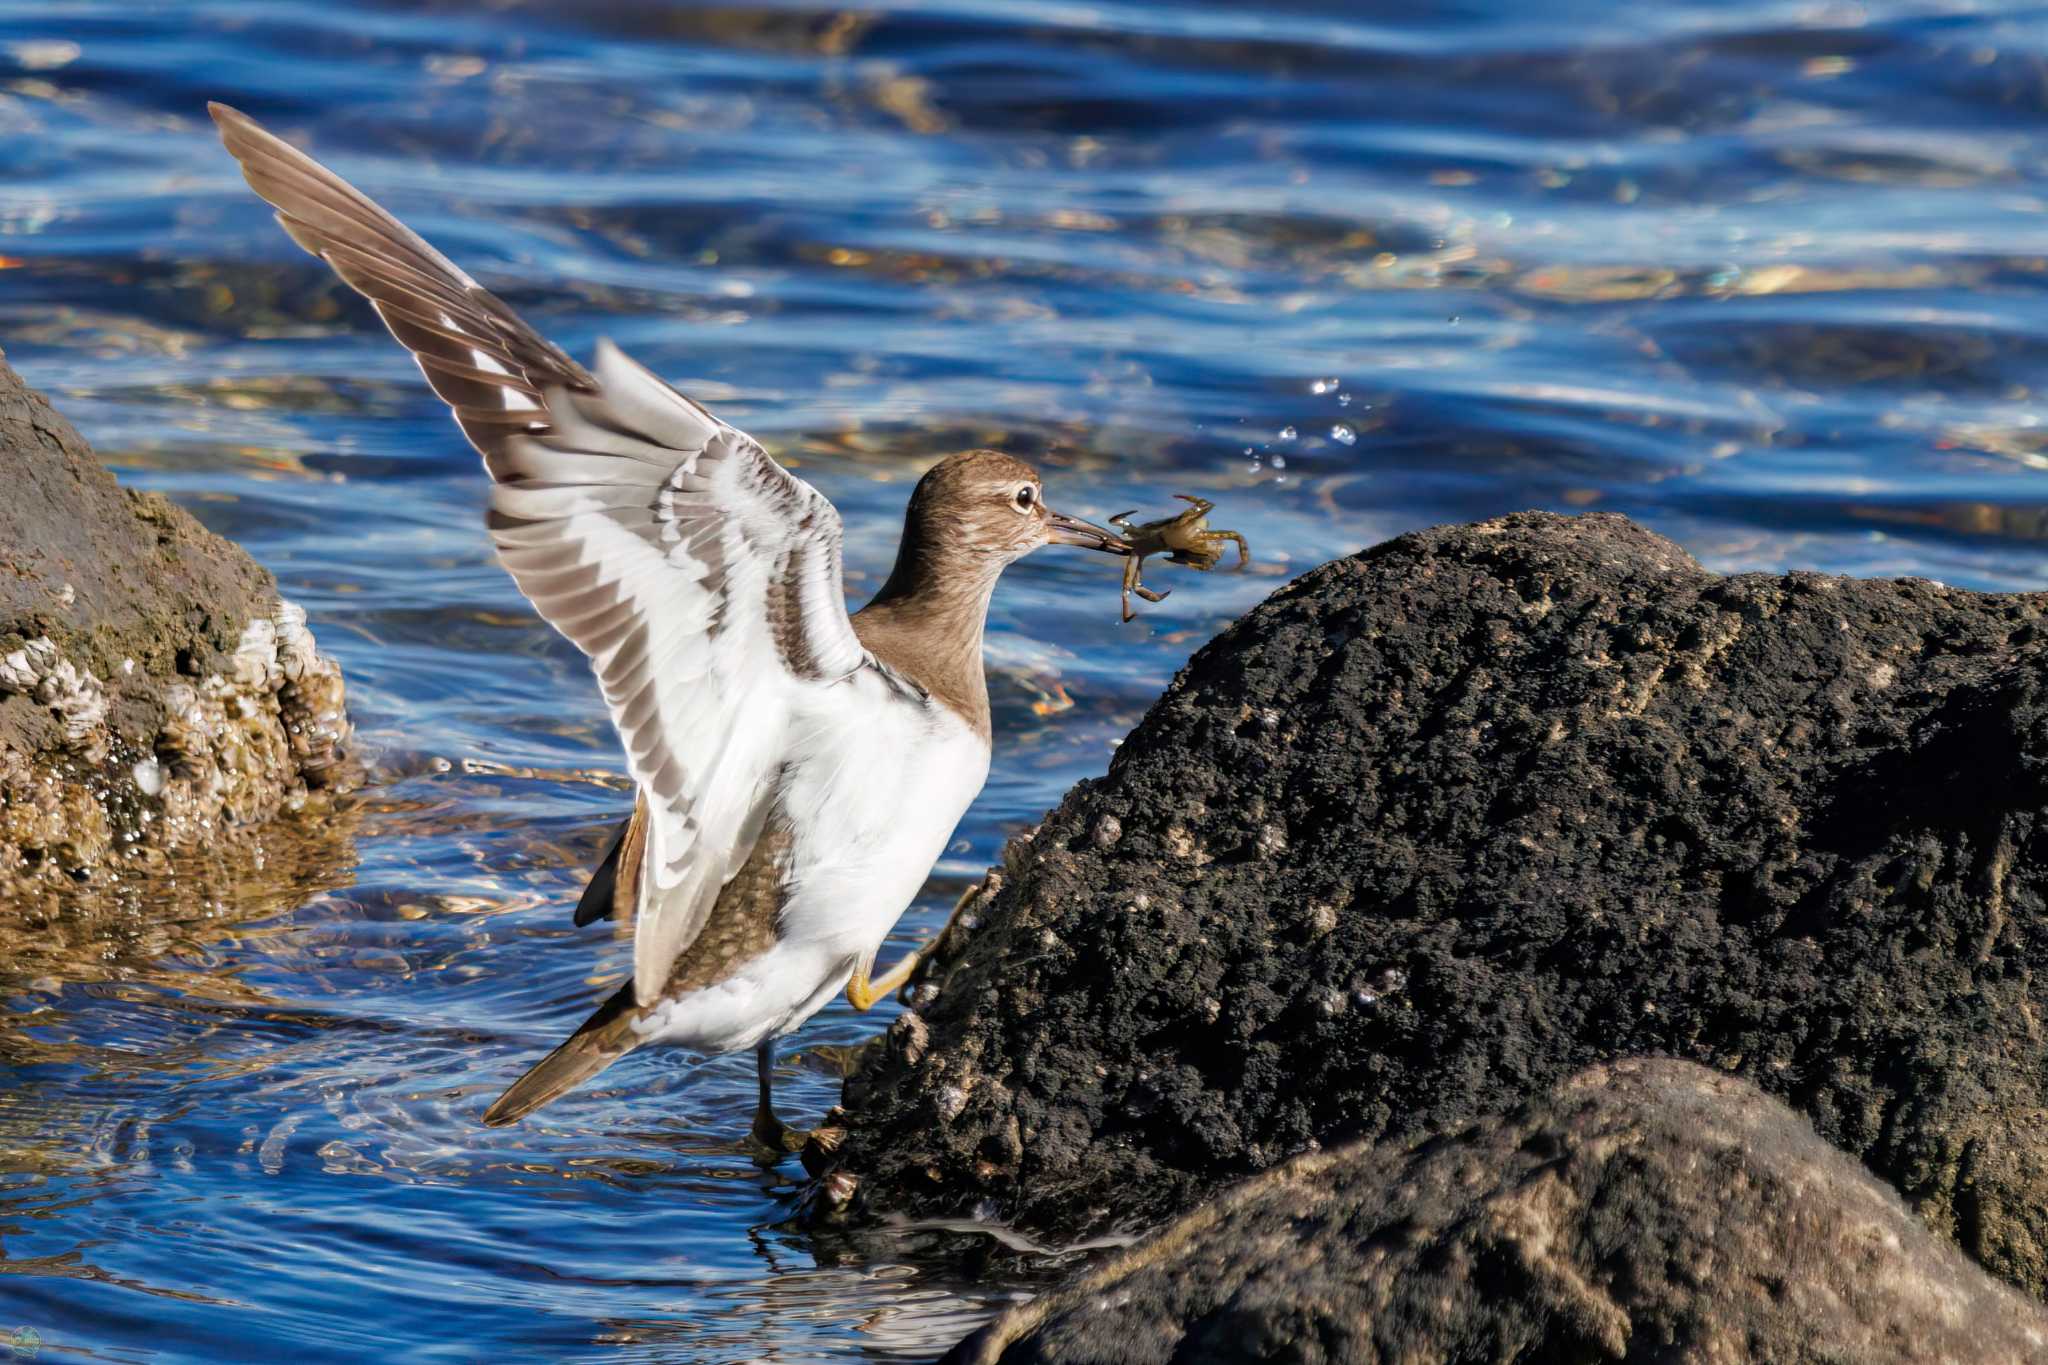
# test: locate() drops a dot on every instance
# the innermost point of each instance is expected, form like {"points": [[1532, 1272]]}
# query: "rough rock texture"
{"points": [[1440, 824], [1642, 1211], [154, 690]]}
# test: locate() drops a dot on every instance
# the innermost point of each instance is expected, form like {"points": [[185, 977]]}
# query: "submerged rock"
{"points": [[1442, 823], [1646, 1210], [155, 692]]}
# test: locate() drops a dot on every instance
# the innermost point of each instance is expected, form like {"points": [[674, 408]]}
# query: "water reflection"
{"points": [[1764, 277], [138, 930]]}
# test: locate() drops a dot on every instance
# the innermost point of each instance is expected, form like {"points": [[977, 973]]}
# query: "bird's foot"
{"points": [[821, 1147], [773, 1138]]}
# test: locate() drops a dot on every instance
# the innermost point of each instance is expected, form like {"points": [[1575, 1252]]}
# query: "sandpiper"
{"points": [[798, 770]]}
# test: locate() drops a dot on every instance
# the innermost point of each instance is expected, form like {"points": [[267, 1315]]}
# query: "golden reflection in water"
{"points": [[1961, 518], [2024, 446], [132, 928]]}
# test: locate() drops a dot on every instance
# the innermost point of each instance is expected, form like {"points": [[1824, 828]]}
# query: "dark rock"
{"points": [[1442, 823], [154, 690], [1642, 1211]]}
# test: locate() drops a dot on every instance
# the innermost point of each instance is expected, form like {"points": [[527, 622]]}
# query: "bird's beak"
{"points": [[1062, 530]]}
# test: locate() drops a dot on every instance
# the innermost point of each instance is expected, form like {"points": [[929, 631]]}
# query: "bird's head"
{"points": [[982, 510]]}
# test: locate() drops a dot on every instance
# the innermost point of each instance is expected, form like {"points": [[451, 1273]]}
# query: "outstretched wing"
{"points": [[702, 578]]}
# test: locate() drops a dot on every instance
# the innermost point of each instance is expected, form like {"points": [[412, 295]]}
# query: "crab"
{"points": [[1185, 539]]}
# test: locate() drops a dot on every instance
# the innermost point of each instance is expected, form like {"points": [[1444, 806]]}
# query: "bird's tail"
{"points": [[604, 1037]]}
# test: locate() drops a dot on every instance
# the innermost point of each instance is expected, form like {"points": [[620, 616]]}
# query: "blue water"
{"points": [[1768, 277]]}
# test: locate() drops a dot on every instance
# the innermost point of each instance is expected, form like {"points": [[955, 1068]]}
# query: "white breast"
{"points": [[874, 786], [877, 787]]}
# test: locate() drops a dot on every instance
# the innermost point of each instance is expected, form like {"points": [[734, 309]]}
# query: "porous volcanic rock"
{"points": [[1644, 1210], [155, 693], [1439, 824]]}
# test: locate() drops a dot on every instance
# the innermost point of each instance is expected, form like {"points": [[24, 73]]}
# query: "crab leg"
{"points": [[1132, 585]]}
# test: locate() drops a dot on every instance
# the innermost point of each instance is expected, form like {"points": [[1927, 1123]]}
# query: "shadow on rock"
{"points": [[1644, 1210]]}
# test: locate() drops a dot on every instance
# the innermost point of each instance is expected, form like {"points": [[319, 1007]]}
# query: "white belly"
{"points": [[874, 789]]}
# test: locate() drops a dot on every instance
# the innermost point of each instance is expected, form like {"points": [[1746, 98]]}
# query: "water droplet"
{"points": [[1287, 433], [1453, 319], [1343, 435], [1322, 386], [1279, 462], [1345, 399]]}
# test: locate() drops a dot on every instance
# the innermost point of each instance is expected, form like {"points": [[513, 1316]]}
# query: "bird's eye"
{"points": [[1026, 496]]}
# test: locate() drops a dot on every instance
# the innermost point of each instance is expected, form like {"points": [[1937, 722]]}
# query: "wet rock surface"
{"points": [[1645, 1210], [155, 693], [1440, 824]]}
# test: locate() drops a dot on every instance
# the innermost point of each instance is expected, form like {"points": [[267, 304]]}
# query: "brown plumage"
{"points": [[741, 926], [960, 532]]}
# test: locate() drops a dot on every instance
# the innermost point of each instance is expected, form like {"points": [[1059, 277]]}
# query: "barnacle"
{"points": [[261, 735]]}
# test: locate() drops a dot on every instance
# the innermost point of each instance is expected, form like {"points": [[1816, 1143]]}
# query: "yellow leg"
{"points": [[862, 993]]}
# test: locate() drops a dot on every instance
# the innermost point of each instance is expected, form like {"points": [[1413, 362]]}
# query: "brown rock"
{"points": [[1644, 1210], [154, 690]]}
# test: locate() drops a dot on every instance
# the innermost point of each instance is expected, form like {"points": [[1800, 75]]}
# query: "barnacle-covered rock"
{"points": [[155, 692]]}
